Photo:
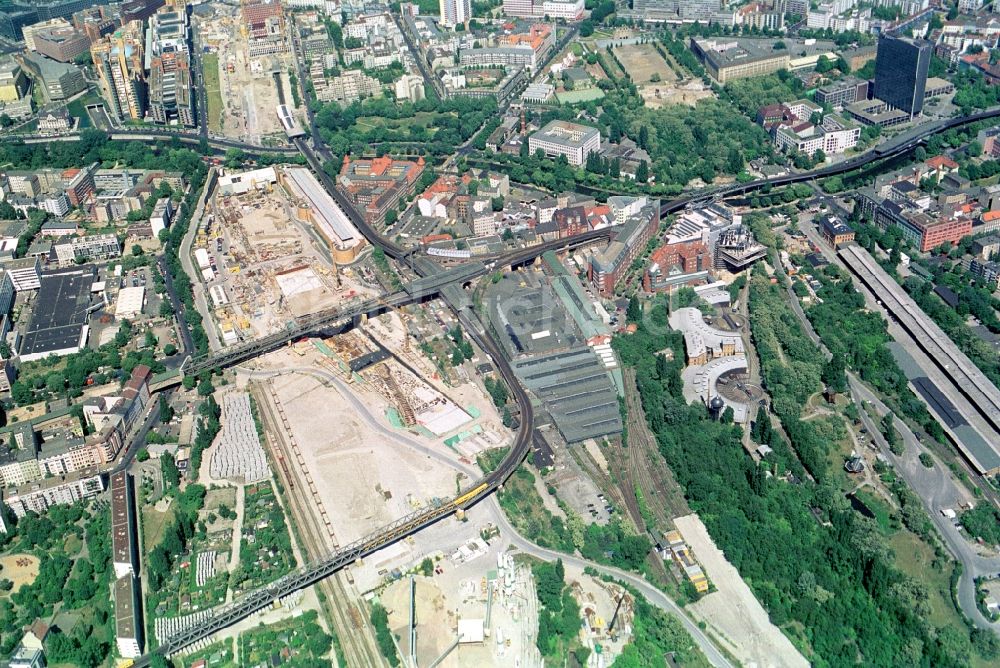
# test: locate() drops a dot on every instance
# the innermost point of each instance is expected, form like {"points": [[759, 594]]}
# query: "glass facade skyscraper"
{"points": [[901, 72]]}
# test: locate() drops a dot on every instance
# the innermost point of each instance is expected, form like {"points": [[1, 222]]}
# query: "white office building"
{"points": [[572, 140]]}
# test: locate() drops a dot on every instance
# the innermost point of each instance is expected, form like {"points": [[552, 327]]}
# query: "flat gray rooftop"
{"points": [[965, 375]]}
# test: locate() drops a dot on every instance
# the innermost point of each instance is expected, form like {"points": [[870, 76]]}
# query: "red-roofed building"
{"points": [[981, 62], [939, 161], [571, 221], [378, 185], [540, 37], [674, 265], [599, 216], [940, 166]]}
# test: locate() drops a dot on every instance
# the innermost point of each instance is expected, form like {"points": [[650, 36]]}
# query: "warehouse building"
{"points": [[545, 329], [576, 391], [60, 314]]}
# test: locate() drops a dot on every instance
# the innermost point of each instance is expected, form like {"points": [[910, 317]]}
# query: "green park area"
{"points": [[213, 89], [417, 125], [438, 125], [57, 568]]}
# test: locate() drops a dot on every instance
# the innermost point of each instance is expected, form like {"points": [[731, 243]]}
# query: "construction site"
{"points": [[253, 72], [387, 408], [265, 259], [334, 412], [480, 608]]}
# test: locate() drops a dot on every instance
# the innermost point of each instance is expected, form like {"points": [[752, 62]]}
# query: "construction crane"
{"points": [[614, 618]]}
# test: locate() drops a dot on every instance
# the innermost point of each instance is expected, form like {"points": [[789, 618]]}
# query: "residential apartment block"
{"points": [[609, 265], [378, 185], [63, 490], [89, 248]]}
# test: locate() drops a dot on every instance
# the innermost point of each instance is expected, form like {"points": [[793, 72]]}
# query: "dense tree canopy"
{"points": [[836, 583]]}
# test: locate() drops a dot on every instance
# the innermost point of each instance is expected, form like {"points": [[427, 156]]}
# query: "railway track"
{"points": [[621, 493], [406, 526], [660, 488], [355, 641]]}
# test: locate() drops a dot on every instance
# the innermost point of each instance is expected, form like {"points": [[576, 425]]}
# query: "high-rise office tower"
{"points": [[118, 59], [901, 72], [170, 94], [454, 12]]}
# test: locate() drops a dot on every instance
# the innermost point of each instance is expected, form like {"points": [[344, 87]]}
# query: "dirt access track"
{"points": [[732, 611]]}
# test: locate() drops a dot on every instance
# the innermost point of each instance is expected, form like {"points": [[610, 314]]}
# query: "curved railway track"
{"points": [[482, 488]]}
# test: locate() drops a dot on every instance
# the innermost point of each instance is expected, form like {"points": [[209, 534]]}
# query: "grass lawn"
{"points": [[153, 524], [576, 49], [72, 545], [425, 118], [915, 558], [213, 90], [215, 498], [78, 109], [577, 96], [878, 506]]}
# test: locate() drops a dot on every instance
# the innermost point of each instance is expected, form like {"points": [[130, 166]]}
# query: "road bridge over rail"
{"points": [[406, 526], [433, 280], [433, 277], [324, 320]]}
